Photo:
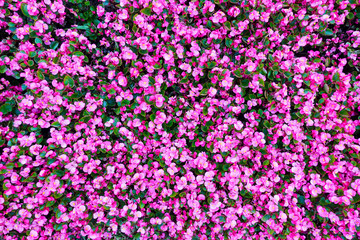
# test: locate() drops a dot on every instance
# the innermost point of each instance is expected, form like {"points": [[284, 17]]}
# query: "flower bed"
{"points": [[201, 119]]}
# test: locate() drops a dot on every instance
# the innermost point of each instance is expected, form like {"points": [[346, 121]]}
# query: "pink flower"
{"points": [[91, 108], [322, 212], [234, 11], [160, 118], [123, 14], [302, 42], [159, 100], [33, 234], [273, 207], [169, 56], [243, 25], [158, 6], [100, 11], [134, 72], [251, 66], [219, 17], [32, 9], [40, 26], [143, 43], [212, 92], [254, 15], [172, 169], [127, 54], [122, 80], [136, 122], [181, 184], [218, 158], [186, 67], [356, 185]]}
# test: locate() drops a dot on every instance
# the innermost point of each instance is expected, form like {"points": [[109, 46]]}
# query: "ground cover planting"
{"points": [[174, 119]]}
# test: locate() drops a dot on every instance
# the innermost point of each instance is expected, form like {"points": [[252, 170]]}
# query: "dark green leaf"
{"points": [[146, 11], [328, 32], [59, 173], [24, 10], [68, 81], [54, 45], [336, 77], [6, 108]]}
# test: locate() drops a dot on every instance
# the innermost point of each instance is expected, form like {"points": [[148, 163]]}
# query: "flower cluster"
{"points": [[173, 119]]}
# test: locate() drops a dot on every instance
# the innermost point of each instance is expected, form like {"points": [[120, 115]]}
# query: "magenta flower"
{"points": [[127, 54], [218, 17]]}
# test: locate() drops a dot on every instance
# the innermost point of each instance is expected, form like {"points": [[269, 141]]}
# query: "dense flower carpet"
{"points": [[174, 119]]}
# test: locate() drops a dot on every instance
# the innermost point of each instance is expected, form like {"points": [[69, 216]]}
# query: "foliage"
{"points": [[172, 119]]}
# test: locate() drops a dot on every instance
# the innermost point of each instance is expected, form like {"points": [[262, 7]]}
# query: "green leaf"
{"points": [[245, 83], [24, 10], [226, 167], [356, 198], [266, 162], [173, 194], [340, 192], [211, 64], [146, 11], [228, 42], [112, 91], [59, 173], [83, 27], [71, 48], [2, 69], [56, 124], [332, 159], [344, 113], [40, 75], [38, 40], [301, 199], [237, 73], [157, 66], [227, 25], [137, 236], [287, 74], [58, 214], [265, 217], [350, 16], [203, 92], [328, 32], [6, 108], [51, 161], [125, 102], [68, 81], [54, 45], [10, 165], [151, 81], [336, 77], [78, 53], [50, 203], [32, 54], [209, 123], [205, 111], [267, 124], [143, 52], [57, 227], [246, 194], [222, 219]]}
